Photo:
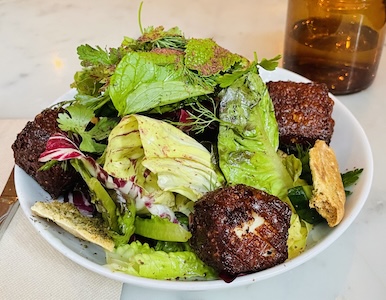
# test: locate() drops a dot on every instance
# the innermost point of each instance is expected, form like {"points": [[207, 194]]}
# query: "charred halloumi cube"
{"points": [[240, 229]]}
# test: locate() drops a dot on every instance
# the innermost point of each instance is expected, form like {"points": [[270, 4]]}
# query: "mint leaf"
{"points": [[143, 81]]}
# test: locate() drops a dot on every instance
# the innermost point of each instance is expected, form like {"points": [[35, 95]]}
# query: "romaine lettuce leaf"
{"points": [[297, 236], [141, 260], [248, 148], [161, 229]]}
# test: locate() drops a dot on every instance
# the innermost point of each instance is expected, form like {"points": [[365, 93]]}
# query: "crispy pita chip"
{"points": [[328, 194], [67, 216]]}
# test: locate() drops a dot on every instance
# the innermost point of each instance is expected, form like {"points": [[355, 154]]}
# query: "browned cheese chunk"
{"points": [[303, 112], [28, 146], [240, 229]]}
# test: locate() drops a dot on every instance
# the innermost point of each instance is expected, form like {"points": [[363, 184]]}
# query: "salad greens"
{"points": [[145, 80], [142, 260], [207, 58], [162, 158], [172, 232], [76, 121], [156, 123], [248, 148], [350, 177], [300, 197]]}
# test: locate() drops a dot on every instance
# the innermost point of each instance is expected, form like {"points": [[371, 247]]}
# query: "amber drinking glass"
{"points": [[337, 42]]}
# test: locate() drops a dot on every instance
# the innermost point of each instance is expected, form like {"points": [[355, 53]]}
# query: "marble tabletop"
{"points": [[38, 60]]}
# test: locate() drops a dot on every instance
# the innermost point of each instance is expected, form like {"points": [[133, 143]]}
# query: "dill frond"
{"points": [[201, 117]]}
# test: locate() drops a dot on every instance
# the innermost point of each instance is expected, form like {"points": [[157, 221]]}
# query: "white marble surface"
{"points": [[38, 59]]}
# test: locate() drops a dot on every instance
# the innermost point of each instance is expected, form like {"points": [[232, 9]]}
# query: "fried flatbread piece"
{"points": [[67, 216], [328, 194]]}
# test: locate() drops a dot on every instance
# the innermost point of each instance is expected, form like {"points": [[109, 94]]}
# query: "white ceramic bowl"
{"points": [[352, 149]]}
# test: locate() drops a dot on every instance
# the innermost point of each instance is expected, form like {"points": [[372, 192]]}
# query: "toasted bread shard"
{"points": [[67, 216], [328, 194]]}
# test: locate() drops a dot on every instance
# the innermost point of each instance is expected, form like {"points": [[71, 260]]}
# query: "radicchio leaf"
{"points": [[61, 148]]}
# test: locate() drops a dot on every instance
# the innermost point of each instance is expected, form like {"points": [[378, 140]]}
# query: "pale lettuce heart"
{"points": [[123, 159], [161, 158]]}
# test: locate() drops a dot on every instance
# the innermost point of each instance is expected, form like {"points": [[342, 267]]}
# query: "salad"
{"points": [[158, 122]]}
